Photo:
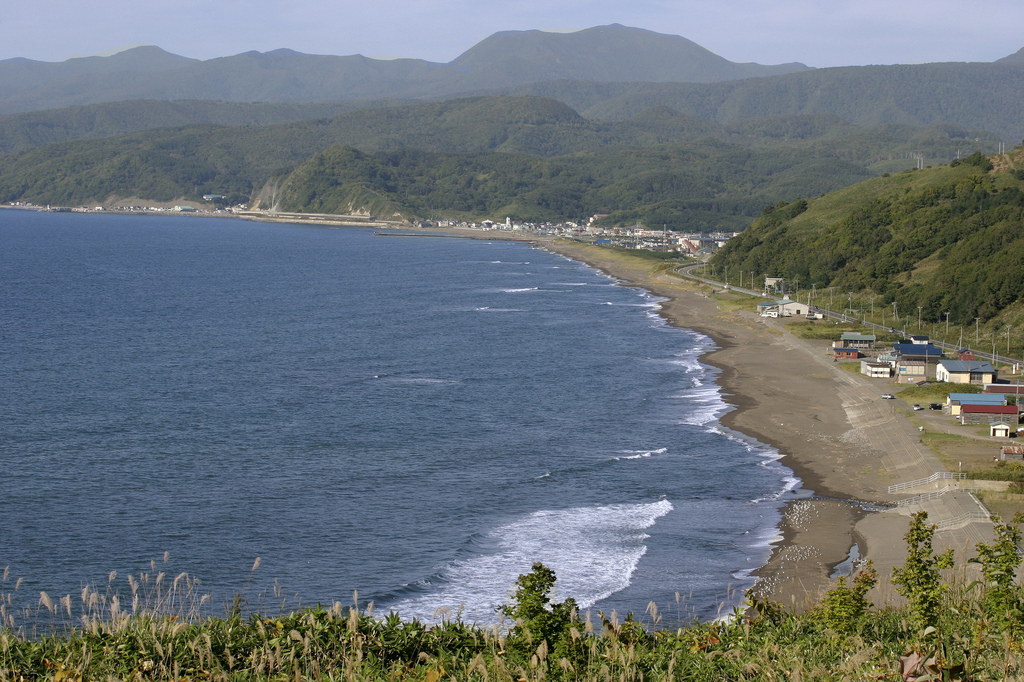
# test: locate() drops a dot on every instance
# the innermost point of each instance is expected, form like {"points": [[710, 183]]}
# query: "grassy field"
{"points": [[935, 392]]}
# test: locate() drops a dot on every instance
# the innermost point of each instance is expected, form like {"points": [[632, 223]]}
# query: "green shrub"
{"points": [[843, 608]]}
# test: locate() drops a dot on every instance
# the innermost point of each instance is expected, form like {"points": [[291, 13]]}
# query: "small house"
{"points": [[957, 400], [918, 351], [846, 353], [782, 308], [1005, 389], [889, 358], [1011, 452], [986, 414], [854, 340], [965, 372], [999, 430], [875, 370], [911, 371]]}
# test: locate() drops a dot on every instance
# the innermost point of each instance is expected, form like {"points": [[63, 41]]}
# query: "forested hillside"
{"points": [[679, 187], [947, 239], [19, 132], [977, 96], [661, 167]]}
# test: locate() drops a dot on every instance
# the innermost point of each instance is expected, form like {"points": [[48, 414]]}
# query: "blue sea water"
{"points": [[418, 419]]}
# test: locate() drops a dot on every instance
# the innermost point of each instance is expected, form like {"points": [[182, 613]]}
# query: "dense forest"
{"points": [[945, 240]]}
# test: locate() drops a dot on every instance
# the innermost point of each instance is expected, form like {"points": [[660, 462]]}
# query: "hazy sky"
{"points": [[815, 32]]}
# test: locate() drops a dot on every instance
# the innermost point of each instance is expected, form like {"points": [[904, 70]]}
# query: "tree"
{"points": [[918, 579], [536, 618], [999, 563]]}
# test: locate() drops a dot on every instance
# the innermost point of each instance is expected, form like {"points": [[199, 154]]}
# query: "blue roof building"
{"points": [[917, 351]]}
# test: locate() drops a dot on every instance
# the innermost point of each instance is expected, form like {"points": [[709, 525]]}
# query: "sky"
{"points": [[815, 32]]}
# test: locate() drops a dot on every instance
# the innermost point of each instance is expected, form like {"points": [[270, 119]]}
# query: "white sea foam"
{"points": [[690, 360], [769, 460], [593, 550], [516, 291], [704, 405], [640, 454], [415, 381]]}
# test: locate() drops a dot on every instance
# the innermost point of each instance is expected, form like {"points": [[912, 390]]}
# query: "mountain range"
{"points": [[606, 53], [534, 125], [604, 73]]}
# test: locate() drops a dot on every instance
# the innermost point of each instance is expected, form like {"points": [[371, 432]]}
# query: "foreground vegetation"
{"points": [[960, 632]]}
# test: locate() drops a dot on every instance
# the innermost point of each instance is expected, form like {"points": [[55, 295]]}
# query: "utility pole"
{"points": [[976, 341], [1007, 339], [918, 318], [947, 323]]}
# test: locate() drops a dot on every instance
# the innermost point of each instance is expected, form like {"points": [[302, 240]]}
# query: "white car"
{"points": [[888, 396]]}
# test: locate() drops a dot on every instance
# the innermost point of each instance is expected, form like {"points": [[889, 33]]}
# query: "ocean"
{"points": [[414, 419]]}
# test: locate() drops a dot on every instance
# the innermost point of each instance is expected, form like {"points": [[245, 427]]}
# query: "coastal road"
{"points": [[688, 271]]}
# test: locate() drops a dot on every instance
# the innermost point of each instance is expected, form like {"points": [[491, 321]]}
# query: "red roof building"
{"points": [[987, 414]]}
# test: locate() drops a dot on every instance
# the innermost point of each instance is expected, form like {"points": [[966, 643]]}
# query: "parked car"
{"points": [[935, 406], [888, 396], [917, 407]]}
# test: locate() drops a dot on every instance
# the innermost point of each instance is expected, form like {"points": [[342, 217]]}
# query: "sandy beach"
{"points": [[779, 403], [788, 394], [830, 426]]}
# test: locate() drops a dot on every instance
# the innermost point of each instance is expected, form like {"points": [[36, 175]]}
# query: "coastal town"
{"points": [[697, 244]]}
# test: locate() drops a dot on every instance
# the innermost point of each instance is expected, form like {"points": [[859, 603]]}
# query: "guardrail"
{"points": [[937, 476], [932, 495], [963, 519]]}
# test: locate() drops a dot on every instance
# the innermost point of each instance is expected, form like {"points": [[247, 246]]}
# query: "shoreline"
{"points": [[785, 395], [829, 426], [805, 554]]}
